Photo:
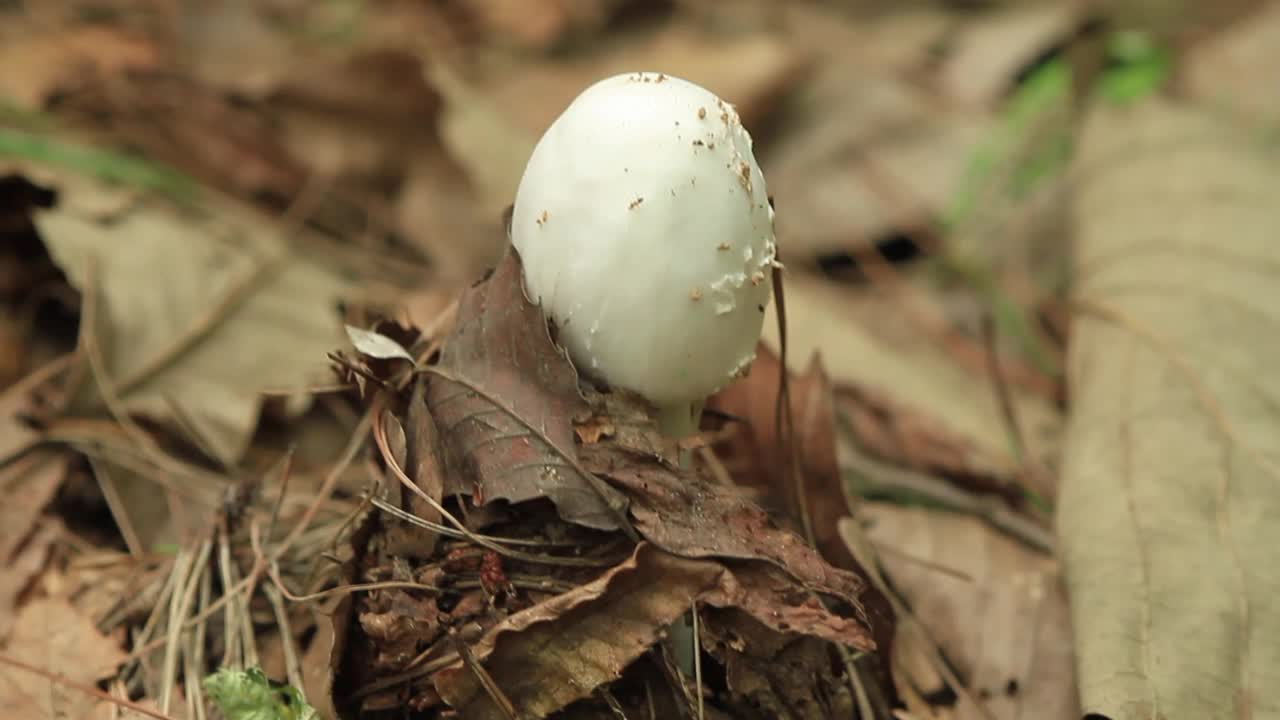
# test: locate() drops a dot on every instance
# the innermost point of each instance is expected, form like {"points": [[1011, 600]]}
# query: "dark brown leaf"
{"points": [[689, 516], [506, 408], [755, 453], [770, 675], [559, 651]]}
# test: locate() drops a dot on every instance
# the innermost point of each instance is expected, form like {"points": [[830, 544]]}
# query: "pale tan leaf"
{"points": [[197, 315], [996, 609], [1169, 498]]}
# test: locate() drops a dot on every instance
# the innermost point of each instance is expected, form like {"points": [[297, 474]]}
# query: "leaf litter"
{"points": [[385, 541]]}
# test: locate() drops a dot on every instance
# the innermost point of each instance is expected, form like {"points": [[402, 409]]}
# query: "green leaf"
{"points": [[1141, 68], [106, 165], [248, 695]]}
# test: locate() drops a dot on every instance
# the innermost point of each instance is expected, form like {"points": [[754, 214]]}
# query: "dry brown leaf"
{"points": [[859, 109], [509, 421], [1168, 502], [540, 24], [694, 517], [41, 65], [491, 129], [941, 416], [50, 634], [28, 485], [440, 213], [559, 651], [751, 72], [769, 675], [754, 454], [198, 313], [996, 609], [1222, 71], [16, 435]]}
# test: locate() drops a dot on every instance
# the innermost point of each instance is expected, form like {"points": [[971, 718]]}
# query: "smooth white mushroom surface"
{"points": [[647, 236]]}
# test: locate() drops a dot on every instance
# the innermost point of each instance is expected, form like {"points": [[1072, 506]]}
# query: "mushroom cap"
{"points": [[647, 236]]}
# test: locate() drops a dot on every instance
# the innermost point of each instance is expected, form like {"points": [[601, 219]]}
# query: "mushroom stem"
{"points": [[678, 422]]}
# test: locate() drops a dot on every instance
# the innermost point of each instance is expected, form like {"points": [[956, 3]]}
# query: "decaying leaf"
{"points": [[772, 675], [197, 315], [1168, 503], [554, 653], [997, 610], [507, 407], [50, 634]]}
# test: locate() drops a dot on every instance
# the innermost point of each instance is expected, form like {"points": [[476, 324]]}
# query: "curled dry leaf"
{"points": [[556, 652], [376, 345], [506, 407], [1168, 503]]}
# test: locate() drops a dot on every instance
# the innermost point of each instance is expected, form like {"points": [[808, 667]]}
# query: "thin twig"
{"points": [[293, 668], [450, 532], [1038, 481], [993, 511], [284, 489], [697, 660], [486, 681]]}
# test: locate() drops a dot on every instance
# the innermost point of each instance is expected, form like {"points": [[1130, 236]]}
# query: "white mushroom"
{"points": [[647, 237]]}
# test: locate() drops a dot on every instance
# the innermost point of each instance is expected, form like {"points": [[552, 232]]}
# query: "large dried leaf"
{"points": [[508, 411], [559, 651], [996, 609], [1168, 504], [196, 316]]}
